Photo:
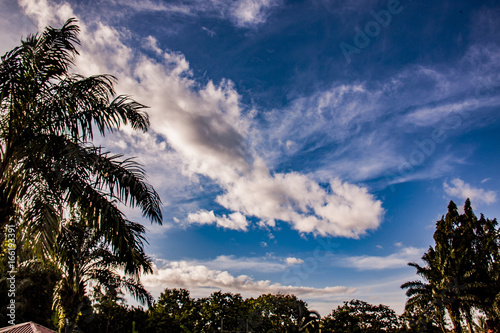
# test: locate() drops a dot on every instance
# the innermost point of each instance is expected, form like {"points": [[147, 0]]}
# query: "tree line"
{"points": [[69, 252], [176, 311]]}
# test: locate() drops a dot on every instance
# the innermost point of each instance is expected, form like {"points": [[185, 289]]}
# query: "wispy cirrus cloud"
{"points": [[433, 115], [242, 13], [460, 189], [392, 261], [365, 130], [267, 264]]}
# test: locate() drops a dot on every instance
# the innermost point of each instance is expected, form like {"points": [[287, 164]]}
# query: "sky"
{"points": [[303, 147]]}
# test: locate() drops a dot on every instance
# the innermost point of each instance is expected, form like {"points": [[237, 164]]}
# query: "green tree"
{"points": [[359, 316], [310, 321], [175, 311], [421, 315], [279, 313], [485, 277], [35, 282], [47, 161], [84, 256], [443, 265], [109, 313], [222, 311], [433, 295], [461, 270]]}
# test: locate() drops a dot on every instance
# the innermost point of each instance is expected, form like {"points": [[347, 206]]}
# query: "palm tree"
{"points": [[84, 257], [47, 162], [443, 272], [426, 296], [309, 322]]}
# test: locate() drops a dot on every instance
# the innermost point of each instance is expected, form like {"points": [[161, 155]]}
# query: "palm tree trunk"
{"points": [[454, 313], [470, 327], [468, 317]]}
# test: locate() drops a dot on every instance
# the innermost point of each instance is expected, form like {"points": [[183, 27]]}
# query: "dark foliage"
{"points": [[360, 317]]}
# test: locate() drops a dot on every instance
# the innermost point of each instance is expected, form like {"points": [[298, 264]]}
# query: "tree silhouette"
{"points": [[47, 161], [357, 316], [461, 270], [84, 256], [175, 311]]}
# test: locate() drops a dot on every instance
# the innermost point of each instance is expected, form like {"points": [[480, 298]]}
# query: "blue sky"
{"points": [[304, 147]]}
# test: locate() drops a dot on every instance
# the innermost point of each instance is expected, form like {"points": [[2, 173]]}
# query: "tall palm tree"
{"points": [[47, 161], [444, 271], [428, 295], [84, 257]]}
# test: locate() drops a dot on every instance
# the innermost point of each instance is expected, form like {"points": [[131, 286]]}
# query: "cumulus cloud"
{"points": [[235, 221], [342, 209], [293, 261], [460, 189], [208, 132], [183, 274], [395, 260]]}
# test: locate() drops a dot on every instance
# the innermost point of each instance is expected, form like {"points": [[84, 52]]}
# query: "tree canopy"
{"points": [[359, 316], [461, 272]]}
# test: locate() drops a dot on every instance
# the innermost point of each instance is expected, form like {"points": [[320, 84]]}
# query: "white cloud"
{"points": [[395, 260], [252, 12], [46, 14], [207, 132], [341, 210], [293, 261], [183, 274], [243, 13], [462, 190], [433, 115], [234, 221], [155, 6], [152, 44], [211, 33], [266, 264]]}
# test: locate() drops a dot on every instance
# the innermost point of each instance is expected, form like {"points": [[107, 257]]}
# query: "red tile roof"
{"points": [[29, 327]]}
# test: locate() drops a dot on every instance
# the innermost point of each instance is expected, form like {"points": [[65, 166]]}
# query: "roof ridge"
{"points": [[33, 327]]}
